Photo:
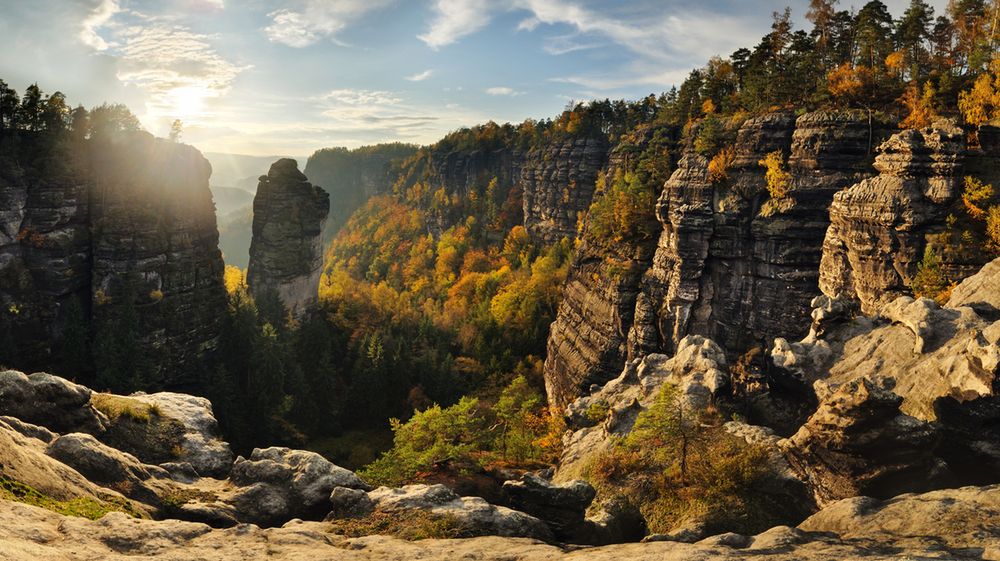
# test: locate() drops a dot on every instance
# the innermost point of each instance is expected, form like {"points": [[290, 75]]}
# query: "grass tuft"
{"points": [[118, 407], [84, 507]]}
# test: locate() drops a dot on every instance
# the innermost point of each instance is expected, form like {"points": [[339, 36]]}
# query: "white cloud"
{"points": [[420, 76], [309, 21], [502, 90], [97, 18], [361, 97], [178, 69], [455, 19]]}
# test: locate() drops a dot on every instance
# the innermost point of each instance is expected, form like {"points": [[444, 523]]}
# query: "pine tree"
{"points": [[31, 108], [912, 35]]}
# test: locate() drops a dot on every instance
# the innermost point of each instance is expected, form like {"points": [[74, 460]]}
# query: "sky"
{"points": [[287, 77]]}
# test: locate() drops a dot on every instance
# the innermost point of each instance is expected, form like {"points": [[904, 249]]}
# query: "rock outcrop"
{"points": [[919, 378], [951, 524], [278, 484], [49, 401], [200, 445], [129, 217], [286, 254], [587, 339], [559, 180], [880, 227], [730, 264], [698, 370], [476, 516]]}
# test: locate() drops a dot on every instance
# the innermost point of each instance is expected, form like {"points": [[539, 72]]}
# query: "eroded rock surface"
{"points": [[880, 227], [286, 254]]}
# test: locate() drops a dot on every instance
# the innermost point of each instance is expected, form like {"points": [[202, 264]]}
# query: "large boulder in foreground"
{"points": [[200, 444], [474, 515], [50, 401], [286, 253], [277, 484]]}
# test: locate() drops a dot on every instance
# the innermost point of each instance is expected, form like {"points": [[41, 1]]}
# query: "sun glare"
{"points": [[188, 101]]}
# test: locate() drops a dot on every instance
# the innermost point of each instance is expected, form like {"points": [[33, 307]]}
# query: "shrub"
{"points": [[718, 167], [930, 281], [778, 183], [974, 195], [993, 229]]}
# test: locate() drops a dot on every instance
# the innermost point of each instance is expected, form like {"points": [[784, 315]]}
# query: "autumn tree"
{"points": [[979, 104], [920, 106]]}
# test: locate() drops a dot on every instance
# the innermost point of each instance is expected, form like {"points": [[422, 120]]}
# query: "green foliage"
{"points": [[930, 280], [597, 412], [83, 507], [430, 438], [623, 213], [517, 429], [677, 466]]}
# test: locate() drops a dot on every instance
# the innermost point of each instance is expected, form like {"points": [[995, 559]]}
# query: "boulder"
{"points": [[980, 292], [476, 516], [859, 443], [200, 446], [277, 484], [562, 506], [49, 401], [108, 467]]}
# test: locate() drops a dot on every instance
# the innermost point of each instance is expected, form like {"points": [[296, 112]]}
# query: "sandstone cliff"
{"points": [[558, 180], [86, 225], [730, 263], [286, 254], [880, 227]]}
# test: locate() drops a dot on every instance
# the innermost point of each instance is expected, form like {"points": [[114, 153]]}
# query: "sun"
{"points": [[187, 101]]}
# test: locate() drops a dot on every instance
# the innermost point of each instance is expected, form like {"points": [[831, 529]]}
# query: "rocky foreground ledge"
{"points": [[951, 524]]}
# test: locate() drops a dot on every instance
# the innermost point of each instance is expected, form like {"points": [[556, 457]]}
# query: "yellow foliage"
{"points": [[920, 106], [974, 195], [896, 61], [234, 278], [708, 107], [993, 229], [779, 181], [156, 295], [980, 104], [846, 80], [718, 167]]}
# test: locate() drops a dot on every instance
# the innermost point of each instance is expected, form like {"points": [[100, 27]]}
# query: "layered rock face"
{"points": [[880, 227], [559, 180], [729, 264], [729, 270], [587, 339], [286, 254], [128, 215]]}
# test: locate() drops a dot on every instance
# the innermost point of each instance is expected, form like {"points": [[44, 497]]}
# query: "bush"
{"points": [[718, 167], [930, 281]]}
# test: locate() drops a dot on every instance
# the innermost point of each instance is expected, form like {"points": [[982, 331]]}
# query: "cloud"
{"points": [[309, 21], [94, 21], [420, 76], [502, 90], [361, 97], [174, 66], [455, 19]]}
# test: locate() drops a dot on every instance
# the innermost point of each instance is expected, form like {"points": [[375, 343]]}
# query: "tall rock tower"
{"points": [[286, 253]]}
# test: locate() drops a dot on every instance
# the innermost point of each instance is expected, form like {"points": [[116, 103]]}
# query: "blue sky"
{"points": [[290, 76]]}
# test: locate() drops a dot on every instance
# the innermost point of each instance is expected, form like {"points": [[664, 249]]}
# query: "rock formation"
{"points": [[918, 378], [128, 217], [880, 226], [729, 264], [587, 339], [558, 180], [286, 254]]}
